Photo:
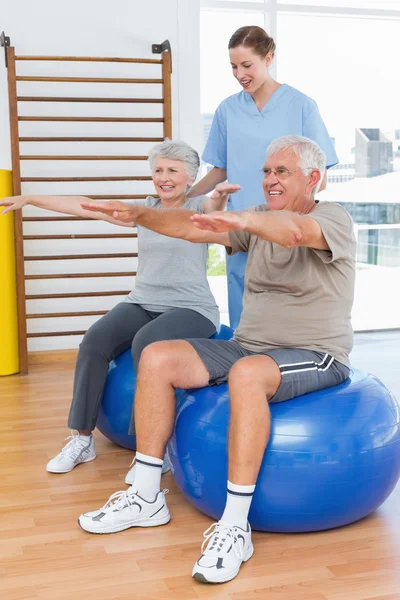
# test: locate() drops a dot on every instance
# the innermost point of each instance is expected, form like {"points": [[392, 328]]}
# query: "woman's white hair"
{"points": [[176, 151], [310, 154]]}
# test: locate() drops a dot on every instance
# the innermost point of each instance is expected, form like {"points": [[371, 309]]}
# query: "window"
{"points": [[343, 54]]}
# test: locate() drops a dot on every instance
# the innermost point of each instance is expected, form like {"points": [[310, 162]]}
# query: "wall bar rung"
{"points": [[61, 119], [81, 256], [81, 236], [80, 275], [87, 79], [79, 157], [66, 179], [89, 313], [76, 295], [89, 139], [110, 59], [75, 99]]}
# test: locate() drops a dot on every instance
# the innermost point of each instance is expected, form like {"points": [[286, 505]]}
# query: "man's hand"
{"points": [[221, 221], [117, 210], [13, 203]]}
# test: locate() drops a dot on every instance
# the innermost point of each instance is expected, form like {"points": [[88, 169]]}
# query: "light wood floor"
{"points": [[44, 555]]}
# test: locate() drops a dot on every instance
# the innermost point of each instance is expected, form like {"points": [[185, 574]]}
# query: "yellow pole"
{"points": [[9, 360]]}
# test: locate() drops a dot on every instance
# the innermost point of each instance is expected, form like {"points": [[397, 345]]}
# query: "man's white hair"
{"points": [[176, 151], [310, 154]]}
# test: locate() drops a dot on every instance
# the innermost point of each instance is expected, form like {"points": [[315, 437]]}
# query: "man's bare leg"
{"points": [[163, 367], [252, 382]]}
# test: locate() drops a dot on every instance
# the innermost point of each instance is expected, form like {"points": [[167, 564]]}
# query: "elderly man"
{"points": [[294, 337]]}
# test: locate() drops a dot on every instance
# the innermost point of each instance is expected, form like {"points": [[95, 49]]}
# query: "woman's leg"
{"points": [[104, 340]]}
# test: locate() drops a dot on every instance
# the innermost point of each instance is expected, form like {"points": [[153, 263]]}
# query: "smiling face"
{"points": [[285, 186], [170, 180], [250, 69]]}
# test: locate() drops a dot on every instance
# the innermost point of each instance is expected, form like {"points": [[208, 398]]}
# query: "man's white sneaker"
{"points": [[78, 450], [227, 548], [130, 476], [124, 510]]}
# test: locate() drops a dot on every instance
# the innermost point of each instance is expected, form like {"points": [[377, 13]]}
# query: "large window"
{"points": [[342, 53]]}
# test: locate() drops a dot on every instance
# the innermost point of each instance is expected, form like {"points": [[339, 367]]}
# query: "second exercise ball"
{"points": [[117, 401]]}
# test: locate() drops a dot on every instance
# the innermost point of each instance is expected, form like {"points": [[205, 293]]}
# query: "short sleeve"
{"points": [[215, 152], [314, 128], [240, 240], [196, 204], [337, 227]]}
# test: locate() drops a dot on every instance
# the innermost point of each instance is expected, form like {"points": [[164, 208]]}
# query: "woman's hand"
{"points": [[124, 213], [221, 221], [13, 203]]}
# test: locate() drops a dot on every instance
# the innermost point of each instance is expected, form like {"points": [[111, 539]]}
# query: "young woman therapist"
{"points": [[243, 126]]}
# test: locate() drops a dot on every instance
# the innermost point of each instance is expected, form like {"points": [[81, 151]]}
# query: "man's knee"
{"points": [[255, 371], [156, 357]]}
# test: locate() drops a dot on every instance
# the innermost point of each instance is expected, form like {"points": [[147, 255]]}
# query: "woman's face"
{"points": [[250, 69], [170, 179]]}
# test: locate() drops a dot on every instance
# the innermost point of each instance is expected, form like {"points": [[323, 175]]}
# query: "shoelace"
{"points": [[124, 498], [75, 445], [221, 533], [121, 499]]}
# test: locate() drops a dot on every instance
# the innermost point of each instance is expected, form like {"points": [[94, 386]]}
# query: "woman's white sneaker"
{"points": [[130, 476], [124, 510], [78, 450], [227, 548]]}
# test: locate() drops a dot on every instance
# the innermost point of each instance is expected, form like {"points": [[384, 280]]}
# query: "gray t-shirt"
{"points": [[300, 297], [172, 273]]}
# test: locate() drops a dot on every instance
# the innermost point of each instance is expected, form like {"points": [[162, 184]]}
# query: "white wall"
{"points": [[122, 28]]}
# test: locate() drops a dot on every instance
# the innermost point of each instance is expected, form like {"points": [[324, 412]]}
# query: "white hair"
{"points": [[310, 154], [176, 151]]}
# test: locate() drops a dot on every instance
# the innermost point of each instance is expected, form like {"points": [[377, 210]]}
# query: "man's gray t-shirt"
{"points": [[172, 273], [299, 297]]}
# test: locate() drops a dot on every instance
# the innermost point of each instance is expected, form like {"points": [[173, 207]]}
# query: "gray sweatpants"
{"points": [[126, 325]]}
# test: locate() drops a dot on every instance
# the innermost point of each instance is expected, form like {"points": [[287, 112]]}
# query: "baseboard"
{"points": [[52, 356]]}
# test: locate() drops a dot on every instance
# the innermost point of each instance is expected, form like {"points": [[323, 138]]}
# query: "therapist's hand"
{"points": [[224, 189]]}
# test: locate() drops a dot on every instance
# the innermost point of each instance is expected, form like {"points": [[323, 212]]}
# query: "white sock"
{"points": [[147, 476], [237, 506], [85, 437]]}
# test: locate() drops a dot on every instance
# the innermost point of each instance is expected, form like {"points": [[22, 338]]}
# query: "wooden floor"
{"points": [[44, 555]]}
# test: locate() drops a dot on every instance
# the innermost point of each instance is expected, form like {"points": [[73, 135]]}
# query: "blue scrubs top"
{"points": [[238, 140]]}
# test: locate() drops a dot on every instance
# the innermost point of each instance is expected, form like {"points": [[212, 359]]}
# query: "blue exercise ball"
{"points": [[333, 455], [117, 401]]}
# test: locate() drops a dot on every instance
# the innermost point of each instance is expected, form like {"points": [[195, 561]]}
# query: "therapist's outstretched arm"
{"points": [[208, 183]]}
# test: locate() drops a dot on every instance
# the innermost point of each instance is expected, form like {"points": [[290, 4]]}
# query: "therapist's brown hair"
{"points": [[254, 37]]}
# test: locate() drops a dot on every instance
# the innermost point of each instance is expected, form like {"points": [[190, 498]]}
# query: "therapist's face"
{"points": [[285, 186], [250, 69]]}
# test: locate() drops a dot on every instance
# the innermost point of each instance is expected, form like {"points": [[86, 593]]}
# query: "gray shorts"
{"points": [[302, 371]]}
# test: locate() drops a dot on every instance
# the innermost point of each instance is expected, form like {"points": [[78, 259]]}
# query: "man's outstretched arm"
{"points": [[173, 222], [282, 227]]}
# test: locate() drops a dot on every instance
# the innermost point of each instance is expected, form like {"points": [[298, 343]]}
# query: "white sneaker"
{"points": [[227, 548], [130, 476], [77, 451], [124, 510]]}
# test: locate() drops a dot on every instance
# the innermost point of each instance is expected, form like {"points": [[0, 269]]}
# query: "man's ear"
{"points": [[314, 179]]}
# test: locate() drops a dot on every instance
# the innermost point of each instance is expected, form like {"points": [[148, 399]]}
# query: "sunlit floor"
{"points": [[44, 555]]}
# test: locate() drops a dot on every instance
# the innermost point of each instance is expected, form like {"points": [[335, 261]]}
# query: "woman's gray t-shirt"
{"points": [[172, 273]]}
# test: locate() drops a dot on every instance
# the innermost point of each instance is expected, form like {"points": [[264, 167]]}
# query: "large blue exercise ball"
{"points": [[117, 401], [333, 455]]}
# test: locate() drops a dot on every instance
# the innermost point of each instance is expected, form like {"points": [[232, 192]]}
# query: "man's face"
{"points": [[285, 186]]}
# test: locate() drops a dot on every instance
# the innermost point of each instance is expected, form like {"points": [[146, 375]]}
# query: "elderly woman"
{"points": [[171, 298]]}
